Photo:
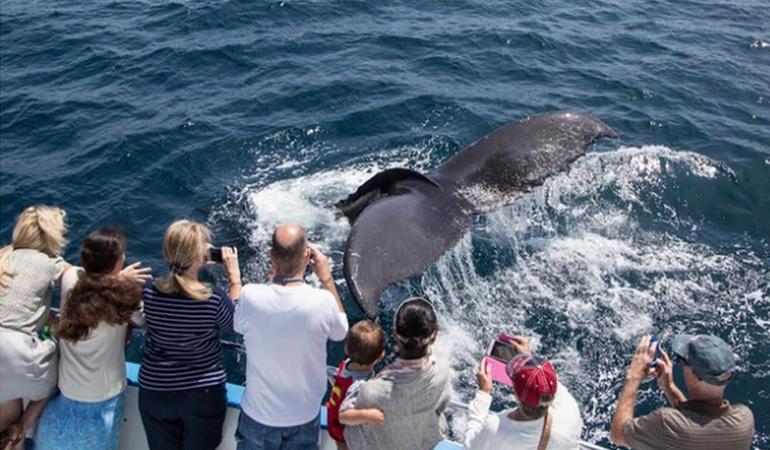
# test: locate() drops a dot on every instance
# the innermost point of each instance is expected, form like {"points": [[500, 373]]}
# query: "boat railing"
{"points": [[234, 397]]}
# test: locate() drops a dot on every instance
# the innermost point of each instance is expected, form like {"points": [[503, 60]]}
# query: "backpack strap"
{"points": [[546, 432]]}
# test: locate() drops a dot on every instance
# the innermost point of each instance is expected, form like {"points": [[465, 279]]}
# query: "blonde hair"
{"points": [[185, 243], [38, 227]]}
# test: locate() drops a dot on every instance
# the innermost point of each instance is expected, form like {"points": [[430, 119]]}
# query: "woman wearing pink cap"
{"points": [[547, 416]]}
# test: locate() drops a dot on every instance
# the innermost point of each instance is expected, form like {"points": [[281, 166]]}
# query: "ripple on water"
{"points": [[135, 114]]}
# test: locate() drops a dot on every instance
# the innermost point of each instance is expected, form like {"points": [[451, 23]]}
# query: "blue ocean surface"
{"points": [[246, 114]]}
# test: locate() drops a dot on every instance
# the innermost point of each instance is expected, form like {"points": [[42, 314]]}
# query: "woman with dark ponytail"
{"points": [[412, 392], [99, 301]]}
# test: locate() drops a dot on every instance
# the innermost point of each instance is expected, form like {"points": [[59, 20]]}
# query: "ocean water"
{"points": [[248, 114]]}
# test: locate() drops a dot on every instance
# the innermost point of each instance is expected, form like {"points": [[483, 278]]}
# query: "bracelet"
{"points": [[236, 283]]}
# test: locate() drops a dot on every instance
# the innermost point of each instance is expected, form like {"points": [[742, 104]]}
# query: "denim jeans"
{"points": [[252, 435]]}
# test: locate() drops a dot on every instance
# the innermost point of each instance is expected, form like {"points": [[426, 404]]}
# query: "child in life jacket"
{"points": [[364, 347]]}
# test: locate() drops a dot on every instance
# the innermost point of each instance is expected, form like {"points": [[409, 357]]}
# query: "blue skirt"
{"points": [[69, 424]]}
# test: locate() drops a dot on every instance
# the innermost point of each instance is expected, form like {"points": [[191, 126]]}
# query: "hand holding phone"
{"points": [[215, 254], [654, 342], [484, 377], [499, 353], [228, 257], [320, 264]]}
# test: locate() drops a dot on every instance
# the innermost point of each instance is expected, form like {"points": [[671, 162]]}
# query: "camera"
{"points": [[215, 254]]}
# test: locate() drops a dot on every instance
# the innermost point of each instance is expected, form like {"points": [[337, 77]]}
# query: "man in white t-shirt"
{"points": [[547, 416], [285, 326]]}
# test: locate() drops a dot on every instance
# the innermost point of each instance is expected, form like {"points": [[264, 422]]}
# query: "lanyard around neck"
{"points": [[286, 280]]}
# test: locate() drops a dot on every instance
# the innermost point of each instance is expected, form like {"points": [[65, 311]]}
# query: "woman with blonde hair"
{"points": [[29, 268], [182, 397]]}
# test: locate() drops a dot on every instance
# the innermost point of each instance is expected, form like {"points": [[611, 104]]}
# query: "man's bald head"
{"points": [[289, 249]]}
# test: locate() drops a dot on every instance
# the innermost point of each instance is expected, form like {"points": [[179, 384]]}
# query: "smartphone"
{"points": [[502, 351], [215, 254], [654, 341], [499, 353]]}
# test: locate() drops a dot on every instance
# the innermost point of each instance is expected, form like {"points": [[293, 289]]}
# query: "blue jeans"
{"points": [[252, 435]]}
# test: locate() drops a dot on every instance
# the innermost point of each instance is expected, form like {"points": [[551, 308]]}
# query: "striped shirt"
{"points": [[183, 350], [694, 425]]}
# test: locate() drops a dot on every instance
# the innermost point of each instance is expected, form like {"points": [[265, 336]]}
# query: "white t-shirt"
{"points": [[93, 369], [285, 330], [497, 432]]}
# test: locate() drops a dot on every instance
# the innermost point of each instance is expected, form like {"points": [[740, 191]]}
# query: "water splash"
{"points": [[596, 257], [584, 264]]}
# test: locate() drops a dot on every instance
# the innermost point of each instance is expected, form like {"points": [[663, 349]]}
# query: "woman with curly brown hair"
{"points": [[98, 304]]}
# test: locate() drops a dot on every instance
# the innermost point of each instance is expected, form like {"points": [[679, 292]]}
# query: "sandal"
{"points": [[13, 436]]}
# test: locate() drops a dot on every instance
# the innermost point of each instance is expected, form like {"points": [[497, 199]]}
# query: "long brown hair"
{"points": [[100, 294]]}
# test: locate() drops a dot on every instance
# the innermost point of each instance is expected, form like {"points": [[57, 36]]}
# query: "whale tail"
{"points": [[403, 220], [514, 159], [381, 185]]}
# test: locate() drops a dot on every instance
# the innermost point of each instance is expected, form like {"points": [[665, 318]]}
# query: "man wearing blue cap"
{"points": [[705, 421]]}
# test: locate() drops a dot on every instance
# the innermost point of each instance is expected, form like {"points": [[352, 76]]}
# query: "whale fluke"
{"points": [[402, 221]]}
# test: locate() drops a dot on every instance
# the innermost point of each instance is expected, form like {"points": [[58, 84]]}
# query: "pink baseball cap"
{"points": [[534, 379]]}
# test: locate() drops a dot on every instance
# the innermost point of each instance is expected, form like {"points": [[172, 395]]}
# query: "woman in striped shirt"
{"points": [[182, 397]]}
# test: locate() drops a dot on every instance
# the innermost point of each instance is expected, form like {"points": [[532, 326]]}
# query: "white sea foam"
{"points": [[308, 199], [582, 252], [597, 256], [302, 200]]}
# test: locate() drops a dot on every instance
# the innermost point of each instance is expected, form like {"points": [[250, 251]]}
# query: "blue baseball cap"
{"points": [[708, 356]]}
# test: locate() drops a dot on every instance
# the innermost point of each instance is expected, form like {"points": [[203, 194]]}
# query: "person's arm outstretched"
{"points": [[639, 368], [478, 409], [323, 271], [665, 375], [362, 416], [233, 270]]}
